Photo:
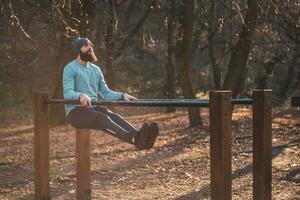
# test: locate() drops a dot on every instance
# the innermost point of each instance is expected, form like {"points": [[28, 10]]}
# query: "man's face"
{"points": [[87, 53]]}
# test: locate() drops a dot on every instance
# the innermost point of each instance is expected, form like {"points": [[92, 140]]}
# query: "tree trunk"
{"points": [[240, 52], [109, 45], [136, 28], [211, 46], [291, 83], [85, 9], [262, 80], [283, 93], [65, 55], [185, 60], [170, 66], [268, 70], [296, 62], [57, 115]]}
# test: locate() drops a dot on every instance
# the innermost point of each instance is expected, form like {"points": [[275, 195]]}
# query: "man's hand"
{"points": [[128, 97], [85, 100]]}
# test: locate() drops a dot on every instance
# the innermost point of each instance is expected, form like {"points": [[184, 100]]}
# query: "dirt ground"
{"points": [[176, 168]]}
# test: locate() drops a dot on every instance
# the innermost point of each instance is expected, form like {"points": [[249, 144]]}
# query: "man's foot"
{"points": [[153, 133], [141, 137]]}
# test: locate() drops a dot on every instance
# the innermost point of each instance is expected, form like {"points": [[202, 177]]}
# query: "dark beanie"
{"points": [[79, 42]]}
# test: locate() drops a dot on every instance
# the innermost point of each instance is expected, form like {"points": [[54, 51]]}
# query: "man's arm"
{"points": [[69, 84], [105, 92]]}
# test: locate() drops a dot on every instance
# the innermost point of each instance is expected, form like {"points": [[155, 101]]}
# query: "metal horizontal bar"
{"points": [[198, 103], [242, 101], [153, 102]]}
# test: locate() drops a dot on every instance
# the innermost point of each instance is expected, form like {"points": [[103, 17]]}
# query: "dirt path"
{"points": [[177, 168]]}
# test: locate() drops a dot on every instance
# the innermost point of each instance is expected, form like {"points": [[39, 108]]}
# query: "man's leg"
{"points": [[151, 128], [118, 119], [89, 118]]}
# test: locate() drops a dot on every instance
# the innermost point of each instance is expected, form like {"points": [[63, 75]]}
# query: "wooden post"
{"points": [[41, 147], [83, 170], [220, 144], [262, 145]]}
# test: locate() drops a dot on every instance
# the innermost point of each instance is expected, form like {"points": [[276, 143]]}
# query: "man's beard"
{"points": [[88, 56]]}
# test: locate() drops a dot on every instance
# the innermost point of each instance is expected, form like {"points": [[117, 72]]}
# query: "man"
{"points": [[84, 81]]}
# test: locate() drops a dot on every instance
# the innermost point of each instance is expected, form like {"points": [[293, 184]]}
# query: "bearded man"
{"points": [[84, 81]]}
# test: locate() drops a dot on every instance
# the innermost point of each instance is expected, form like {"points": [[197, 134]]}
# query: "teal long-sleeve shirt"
{"points": [[87, 79]]}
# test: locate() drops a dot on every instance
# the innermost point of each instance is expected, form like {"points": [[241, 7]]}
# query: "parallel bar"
{"points": [[153, 102], [233, 101], [83, 169], [242, 101], [220, 145], [262, 145], [41, 147], [204, 103]]}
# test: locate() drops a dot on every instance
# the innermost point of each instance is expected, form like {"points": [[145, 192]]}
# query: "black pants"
{"points": [[100, 118]]}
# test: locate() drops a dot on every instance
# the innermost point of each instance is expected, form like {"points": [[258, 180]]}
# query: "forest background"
{"points": [[152, 49]]}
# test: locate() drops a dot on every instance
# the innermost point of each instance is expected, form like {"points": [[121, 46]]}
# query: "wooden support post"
{"points": [[83, 170], [220, 144], [262, 145], [41, 147]]}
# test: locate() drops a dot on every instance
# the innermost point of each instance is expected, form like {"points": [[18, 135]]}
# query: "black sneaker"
{"points": [[153, 133], [140, 138]]}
